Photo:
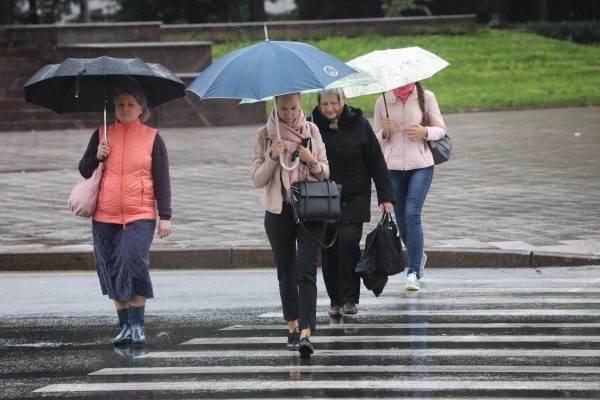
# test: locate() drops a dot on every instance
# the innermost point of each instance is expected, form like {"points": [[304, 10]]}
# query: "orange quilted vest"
{"points": [[127, 189]]}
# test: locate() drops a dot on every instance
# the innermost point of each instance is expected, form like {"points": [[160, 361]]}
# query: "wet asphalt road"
{"points": [[476, 334]]}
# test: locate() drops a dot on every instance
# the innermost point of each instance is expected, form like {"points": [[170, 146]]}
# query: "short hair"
{"points": [[336, 91], [139, 96]]}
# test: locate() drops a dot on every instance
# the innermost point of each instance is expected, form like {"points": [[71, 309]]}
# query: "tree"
{"points": [[397, 8], [7, 12], [257, 10], [183, 11], [339, 9]]}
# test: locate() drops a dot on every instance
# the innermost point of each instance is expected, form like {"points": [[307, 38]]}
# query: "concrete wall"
{"points": [[317, 29]]}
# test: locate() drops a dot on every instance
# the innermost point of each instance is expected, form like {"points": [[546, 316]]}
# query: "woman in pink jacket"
{"points": [[403, 123]]}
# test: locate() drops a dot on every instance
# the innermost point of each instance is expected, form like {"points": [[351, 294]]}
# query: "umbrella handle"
{"points": [[281, 162], [292, 167], [385, 103], [104, 133]]}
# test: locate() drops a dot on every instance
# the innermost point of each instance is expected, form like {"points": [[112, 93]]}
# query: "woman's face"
{"points": [[329, 105], [127, 108], [288, 107]]}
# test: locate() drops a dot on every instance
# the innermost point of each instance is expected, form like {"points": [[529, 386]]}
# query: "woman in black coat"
{"points": [[355, 158]]}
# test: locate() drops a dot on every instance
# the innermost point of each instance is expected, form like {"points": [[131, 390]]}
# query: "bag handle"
{"points": [[314, 239]]}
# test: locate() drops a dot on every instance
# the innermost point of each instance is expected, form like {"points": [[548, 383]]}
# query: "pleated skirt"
{"points": [[122, 258]]}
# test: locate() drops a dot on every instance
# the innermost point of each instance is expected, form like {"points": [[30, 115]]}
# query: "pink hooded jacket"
{"points": [[400, 152]]}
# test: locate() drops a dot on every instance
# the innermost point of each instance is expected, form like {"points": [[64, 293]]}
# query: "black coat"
{"points": [[355, 157]]}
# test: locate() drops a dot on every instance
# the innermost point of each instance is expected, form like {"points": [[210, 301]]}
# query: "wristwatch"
{"points": [[312, 164]]}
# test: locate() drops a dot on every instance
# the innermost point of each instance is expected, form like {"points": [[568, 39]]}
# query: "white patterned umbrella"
{"points": [[394, 68]]}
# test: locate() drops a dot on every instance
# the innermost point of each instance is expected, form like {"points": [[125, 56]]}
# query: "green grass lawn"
{"points": [[489, 69]]}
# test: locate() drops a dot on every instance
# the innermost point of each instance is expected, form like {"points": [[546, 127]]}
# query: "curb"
{"points": [[245, 258]]}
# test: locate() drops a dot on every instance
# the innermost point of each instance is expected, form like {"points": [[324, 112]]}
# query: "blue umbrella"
{"points": [[267, 69]]}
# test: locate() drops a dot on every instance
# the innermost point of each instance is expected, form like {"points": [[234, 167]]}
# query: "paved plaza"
{"points": [[518, 181]]}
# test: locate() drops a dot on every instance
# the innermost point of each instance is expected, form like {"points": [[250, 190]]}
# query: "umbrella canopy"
{"points": [[356, 79], [394, 68], [267, 69], [86, 84]]}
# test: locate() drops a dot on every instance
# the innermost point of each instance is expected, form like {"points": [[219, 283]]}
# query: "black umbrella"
{"points": [[89, 84]]}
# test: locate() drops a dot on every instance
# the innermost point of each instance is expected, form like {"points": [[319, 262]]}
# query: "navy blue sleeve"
{"points": [[160, 176], [89, 162]]}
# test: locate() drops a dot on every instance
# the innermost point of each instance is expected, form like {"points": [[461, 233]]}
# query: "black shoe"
{"points": [[305, 347], [350, 309], [293, 341], [335, 311]]}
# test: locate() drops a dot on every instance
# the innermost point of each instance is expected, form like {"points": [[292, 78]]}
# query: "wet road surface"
{"points": [[468, 334]]}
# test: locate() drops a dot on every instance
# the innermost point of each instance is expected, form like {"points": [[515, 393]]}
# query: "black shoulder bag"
{"points": [[317, 201]]}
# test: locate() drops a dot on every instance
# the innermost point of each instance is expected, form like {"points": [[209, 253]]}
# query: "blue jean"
{"points": [[410, 190]]}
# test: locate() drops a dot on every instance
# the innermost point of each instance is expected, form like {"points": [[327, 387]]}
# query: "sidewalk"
{"points": [[522, 189]]}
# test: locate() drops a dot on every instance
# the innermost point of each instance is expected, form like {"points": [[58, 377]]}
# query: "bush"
{"points": [[584, 32]]}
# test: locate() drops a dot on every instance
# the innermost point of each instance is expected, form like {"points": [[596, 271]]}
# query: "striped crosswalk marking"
{"points": [[426, 325], [470, 312], [485, 336], [435, 352], [402, 339], [430, 369], [266, 385]]}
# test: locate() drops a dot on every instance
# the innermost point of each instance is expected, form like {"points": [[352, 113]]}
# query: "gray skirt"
{"points": [[122, 258]]}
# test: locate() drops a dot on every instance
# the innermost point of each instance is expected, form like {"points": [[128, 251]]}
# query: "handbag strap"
{"points": [[310, 235], [314, 239]]}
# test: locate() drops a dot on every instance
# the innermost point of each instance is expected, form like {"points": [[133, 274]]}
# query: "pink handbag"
{"points": [[84, 195]]}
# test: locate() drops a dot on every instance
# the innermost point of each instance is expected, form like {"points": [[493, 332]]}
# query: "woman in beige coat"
{"points": [[296, 267]]}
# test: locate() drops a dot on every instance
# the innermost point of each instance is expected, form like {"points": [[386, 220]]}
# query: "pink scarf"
{"points": [[403, 92], [291, 134]]}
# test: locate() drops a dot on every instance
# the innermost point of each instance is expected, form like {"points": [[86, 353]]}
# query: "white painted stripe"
{"points": [[428, 325], [401, 339], [484, 312], [561, 301], [523, 281], [270, 369], [258, 385], [470, 352], [428, 287]]}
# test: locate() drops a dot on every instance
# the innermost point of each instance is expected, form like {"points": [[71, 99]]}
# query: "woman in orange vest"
{"points": [[135, 187]]}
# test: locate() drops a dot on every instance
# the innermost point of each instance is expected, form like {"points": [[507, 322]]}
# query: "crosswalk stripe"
{"points": [[430, 289], [464, 301], [270, 385], [485, 312], [523, 282], [269, 369], [260, 353], [402, 339], [426, 325]]}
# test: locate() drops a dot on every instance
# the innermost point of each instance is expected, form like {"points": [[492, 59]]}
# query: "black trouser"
{"points": [[296, 272], [339, 262]]}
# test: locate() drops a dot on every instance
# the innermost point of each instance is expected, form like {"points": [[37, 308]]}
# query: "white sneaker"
{"points": [[422, 269], [412, 282]]}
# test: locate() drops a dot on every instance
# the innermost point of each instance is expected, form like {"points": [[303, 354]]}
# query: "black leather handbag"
{"points": [[317, 201]]}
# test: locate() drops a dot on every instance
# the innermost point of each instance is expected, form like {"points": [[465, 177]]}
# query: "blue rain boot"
{"points": [[136, 320], [124, 337]]}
